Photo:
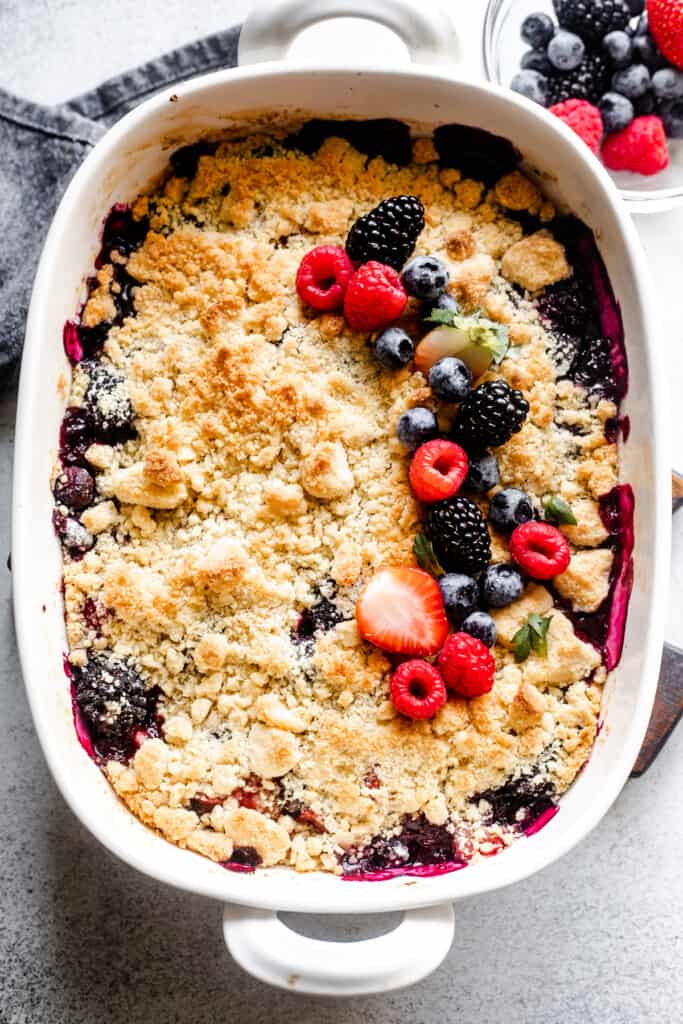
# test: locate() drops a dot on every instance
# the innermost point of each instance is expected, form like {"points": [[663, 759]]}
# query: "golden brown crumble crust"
{"points": [[266, 465]]}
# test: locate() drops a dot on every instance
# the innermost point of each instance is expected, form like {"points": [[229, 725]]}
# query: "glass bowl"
{"points": [[503, 48]]}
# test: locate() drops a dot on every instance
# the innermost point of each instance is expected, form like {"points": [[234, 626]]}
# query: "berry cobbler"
{"points": [[346, 562]]}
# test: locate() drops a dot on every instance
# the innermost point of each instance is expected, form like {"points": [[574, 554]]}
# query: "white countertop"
{"points": [[594, 938]]}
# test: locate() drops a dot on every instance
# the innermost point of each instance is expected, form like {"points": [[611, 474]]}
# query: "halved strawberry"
{"points": [[401, 610]]}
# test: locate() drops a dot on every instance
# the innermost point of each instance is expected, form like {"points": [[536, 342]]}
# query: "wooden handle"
{"points": [[676, 490], [667, 710]]}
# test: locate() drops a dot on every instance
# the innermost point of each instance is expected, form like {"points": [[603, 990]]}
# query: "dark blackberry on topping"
{"points": [[112, 699], [107, 402], [489, 416], [592, 19], [459, 535], [388, 233], [587, 82]]}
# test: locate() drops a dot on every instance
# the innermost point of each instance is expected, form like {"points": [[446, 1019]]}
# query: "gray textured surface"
{"points": [[595, 938]]}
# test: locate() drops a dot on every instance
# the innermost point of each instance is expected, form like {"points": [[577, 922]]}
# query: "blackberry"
{"points": [[388, 233], [563, 306], [107, 402], [592, 19], [519, 801], [112, 699], [587, 82], [592, 366], [489, 416], [563, 350], [459, 535]]}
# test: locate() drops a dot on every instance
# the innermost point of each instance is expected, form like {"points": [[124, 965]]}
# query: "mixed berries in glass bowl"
{"points": [[612, 70]]}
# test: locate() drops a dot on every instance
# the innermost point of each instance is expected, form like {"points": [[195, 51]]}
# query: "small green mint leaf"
{"points": [[424, 555], [521, 643], [445, 317], [538, 628], [492, 336], [557, 510]]}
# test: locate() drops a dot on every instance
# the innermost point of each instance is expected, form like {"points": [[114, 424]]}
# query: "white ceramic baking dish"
{"points": [[123, 163]]}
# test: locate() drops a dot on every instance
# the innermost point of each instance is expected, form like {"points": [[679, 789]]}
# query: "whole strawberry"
{"points": [[665, 18]]}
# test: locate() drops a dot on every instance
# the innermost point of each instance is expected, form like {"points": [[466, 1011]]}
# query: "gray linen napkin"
{"points": [[40, 149]]}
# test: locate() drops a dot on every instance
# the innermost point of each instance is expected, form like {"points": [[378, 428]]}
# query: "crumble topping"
{"points": [[265, 482]]}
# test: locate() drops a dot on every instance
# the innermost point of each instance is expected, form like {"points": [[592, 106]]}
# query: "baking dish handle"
{"points": [[272, 26], [265, 947]]}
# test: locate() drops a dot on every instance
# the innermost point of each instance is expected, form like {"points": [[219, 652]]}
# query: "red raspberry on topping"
{"points": [[467, 666], [374, 297], [323, 276], [583, 118], [665, 21], [438, 470], [417, 689], [641, 147], [540, 549]]}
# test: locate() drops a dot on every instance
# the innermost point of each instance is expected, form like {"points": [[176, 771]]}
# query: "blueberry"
{"points": [[618, 46], [566, 50], [425, 277], [645, 52], [481, 626], [509, 508], [667, 84], [443, 301], [501, 585], [636, 7], [536, 60], [417, 426], [617, 111], [483, 473], [450, 379], [632, 82], [531, 84], [460, 595], [671, 114], [74, 487], [394, 348], [538, 29]]}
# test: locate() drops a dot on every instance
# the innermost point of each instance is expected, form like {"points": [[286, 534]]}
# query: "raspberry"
{"points": [[665, 18], [374, 297], [583, 118], [438, 470], [540, 550], [467, 666], [322, 277], [640, 148], [417, 689]]}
